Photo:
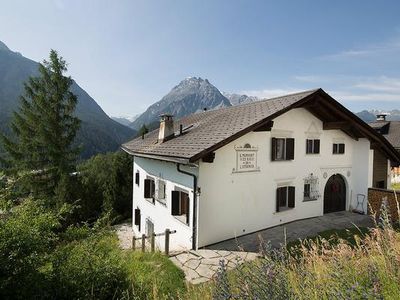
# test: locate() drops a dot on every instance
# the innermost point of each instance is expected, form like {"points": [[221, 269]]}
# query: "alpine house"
{"points": [[219, 174]]}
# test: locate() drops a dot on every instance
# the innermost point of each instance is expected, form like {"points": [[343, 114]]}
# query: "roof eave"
{"points": [[180, 160]]}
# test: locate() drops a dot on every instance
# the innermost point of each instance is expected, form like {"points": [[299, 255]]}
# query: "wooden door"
{"points": [[335, 194]]}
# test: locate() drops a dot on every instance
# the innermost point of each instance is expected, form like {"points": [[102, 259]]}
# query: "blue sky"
{"points": [[128, 54]]}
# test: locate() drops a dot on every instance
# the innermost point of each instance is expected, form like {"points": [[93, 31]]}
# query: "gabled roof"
{"points": [[390, 130], [207, 131]]}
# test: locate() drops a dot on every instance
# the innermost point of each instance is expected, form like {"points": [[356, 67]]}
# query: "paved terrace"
{"points": [[294, 231], [200, 266]]}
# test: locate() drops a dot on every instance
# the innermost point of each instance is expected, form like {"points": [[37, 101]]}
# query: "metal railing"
{"points": [[152, 238]]}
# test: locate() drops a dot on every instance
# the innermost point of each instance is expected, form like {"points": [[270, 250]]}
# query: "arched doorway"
{"points": [[335, 194]]}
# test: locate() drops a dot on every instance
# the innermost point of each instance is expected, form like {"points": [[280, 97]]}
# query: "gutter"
{"points": [[194, 234]]}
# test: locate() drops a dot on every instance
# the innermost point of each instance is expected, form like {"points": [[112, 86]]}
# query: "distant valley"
{"points": [[98, 132]]}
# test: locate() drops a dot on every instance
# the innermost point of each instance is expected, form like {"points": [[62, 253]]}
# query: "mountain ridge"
{"points": [[191, 95], [98, 132]]}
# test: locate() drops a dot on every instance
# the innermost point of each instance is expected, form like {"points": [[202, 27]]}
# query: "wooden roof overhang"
{"points": [[334, 116]]}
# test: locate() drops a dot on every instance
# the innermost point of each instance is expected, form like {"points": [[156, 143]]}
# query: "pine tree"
{"points": [[45, 129], [143, 130]]}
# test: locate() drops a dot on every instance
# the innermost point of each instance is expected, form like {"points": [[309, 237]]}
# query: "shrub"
{"points": [[93, 268], [27, 236], [106, 186]]}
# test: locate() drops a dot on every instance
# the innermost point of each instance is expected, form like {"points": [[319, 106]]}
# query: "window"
{"points": [[338, 148], [311, 191], [307, 191], [161, 191], [285, 198], [149, 227], [282, 149], [180, 206], [137, 177], [149, 189], [137, 218], [312, 146]]}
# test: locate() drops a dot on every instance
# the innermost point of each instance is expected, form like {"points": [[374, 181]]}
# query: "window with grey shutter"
{"points": [[291, 196], [149, 189], [338, 148], [282, 149], [137, 218], [285, 198], [341, 148], [175, 203], [316, 146], [180, 206], [137, 177], [290, 149], [312, 146], [273, 149], [161, 190]]}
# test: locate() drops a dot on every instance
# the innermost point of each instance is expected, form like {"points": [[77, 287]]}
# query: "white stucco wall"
{"points": [[232, 204], [159, 213]]}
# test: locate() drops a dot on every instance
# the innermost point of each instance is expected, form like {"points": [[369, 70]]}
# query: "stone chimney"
{"points": [[381, 117], [166, 130]]}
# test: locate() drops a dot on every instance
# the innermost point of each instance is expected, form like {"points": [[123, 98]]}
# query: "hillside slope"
{"points": [[98, 132]]}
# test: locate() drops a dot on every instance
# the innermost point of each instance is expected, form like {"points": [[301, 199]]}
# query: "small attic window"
{"points": [[247, 145]]}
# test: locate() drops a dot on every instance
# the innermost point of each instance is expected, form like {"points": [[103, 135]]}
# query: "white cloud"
{"points": [[391, 46], [270, 93]]}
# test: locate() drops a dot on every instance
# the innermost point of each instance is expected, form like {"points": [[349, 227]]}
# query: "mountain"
{"points": [[125, 120], [98, 132], [237, 99], [189, 96], [370, 115]]}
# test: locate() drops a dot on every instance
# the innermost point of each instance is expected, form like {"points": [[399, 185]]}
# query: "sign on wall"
{"points": [[246, 159]]}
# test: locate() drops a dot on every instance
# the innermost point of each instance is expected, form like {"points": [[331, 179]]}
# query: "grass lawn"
{"points": [[333, 236]]}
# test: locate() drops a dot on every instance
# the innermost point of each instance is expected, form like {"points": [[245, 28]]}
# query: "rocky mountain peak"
{"points": [[4, 46], [191, 95]]}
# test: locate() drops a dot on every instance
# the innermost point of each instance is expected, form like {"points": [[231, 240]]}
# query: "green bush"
{"points": [[106, 186], [93, 268], [27, 237]]}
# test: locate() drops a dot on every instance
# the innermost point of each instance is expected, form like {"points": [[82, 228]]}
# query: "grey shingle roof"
{"points": [[206, 129], [393, 135]]}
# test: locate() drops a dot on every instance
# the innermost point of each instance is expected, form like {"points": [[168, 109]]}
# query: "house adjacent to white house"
{"points": [[391, 131], [219, 174]]}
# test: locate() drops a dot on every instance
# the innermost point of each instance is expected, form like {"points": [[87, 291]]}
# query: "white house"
{"points": [[219, 174]]}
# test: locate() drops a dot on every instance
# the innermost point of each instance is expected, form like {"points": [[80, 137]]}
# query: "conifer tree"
{"points": [[44, 129]]}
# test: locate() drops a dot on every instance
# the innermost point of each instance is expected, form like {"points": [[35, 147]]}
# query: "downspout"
{"points": [[194, 234]]}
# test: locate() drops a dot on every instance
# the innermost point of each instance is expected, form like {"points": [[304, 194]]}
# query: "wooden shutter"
{"points": [[161, 189], [273, 149], [152, 188], [341, 148], [316, 146], [290, 149], [147, 188], [175, 203], [278, 199], [137, 178], [185, 206], [291, 196], [137, 216], [308, 146]]}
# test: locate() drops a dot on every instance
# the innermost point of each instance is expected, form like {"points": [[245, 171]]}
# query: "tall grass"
{"points": [[368, 267]]}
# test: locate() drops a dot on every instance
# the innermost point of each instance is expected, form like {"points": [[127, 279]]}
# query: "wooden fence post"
{"points": [[153, 241], [167, 232], [143, 242], [133, 242]]}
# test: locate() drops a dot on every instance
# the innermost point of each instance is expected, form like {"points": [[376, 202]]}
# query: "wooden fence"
{"points": [[376, 197], [152, 239]]}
